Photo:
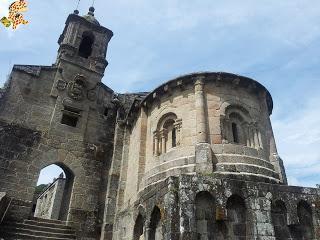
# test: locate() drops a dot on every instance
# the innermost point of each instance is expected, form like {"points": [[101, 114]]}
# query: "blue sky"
{"points": [[275, 42]]}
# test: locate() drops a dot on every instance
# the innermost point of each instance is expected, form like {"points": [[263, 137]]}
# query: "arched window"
{"points": [[155, 232], [138, 228], [167, 135], [205, 216], [238, 127], [170, 133], [85, 48], [279, 220], [236, 213]]}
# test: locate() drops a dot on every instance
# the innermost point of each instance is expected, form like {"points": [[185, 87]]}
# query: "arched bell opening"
{"points": [[86, 45]]}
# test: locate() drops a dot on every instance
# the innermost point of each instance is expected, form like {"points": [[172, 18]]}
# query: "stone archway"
{"points": [[155, 228], [138, 228], [205, 216], [54, 199], [279, 220], [237, 217]]}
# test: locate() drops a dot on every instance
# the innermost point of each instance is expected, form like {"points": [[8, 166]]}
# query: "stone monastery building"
{"points": [[194, 159]]}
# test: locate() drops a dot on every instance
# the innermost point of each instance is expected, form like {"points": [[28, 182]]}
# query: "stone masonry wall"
{"points": [[33, 138], [176, 199], [49, 202]]}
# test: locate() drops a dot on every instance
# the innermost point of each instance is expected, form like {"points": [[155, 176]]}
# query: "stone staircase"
{"points": [[36, 228]]}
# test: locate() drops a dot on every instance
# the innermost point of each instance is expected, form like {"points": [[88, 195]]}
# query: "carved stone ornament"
{"points": [[92, 94], [76, 88], [61, 85]]}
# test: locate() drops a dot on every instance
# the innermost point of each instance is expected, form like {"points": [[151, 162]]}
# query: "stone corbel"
{"points": [[167, 89]]}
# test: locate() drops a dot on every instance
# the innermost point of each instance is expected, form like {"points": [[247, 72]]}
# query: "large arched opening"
{"points": [[53, 192], [305, 220], [279, 220], [155, 232], [237, 217], [138, 228], [205, 216]]}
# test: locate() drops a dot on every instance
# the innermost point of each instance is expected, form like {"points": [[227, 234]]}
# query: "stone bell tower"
{"points": [[82, 51], [84, 43], [80, 64]]}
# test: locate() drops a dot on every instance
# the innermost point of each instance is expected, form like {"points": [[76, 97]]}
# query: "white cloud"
{"points": [[298, 137], [4, 4]]}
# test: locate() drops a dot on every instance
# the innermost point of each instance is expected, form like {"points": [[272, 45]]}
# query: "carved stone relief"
{"points": [[76, 88]]}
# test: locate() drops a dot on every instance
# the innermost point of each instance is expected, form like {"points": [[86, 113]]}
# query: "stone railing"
{"points": [[4, 205]]}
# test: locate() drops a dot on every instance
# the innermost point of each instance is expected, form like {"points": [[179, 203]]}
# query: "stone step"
{"points": [[36, 229], [246, 168], [37, 233], [47, 220], [64, 229], [178, 162], [20, 236], [46, 224], [175, 171]]}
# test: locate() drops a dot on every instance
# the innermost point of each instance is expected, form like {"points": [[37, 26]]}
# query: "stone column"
{"points": [[171, 211], [251, 136], [156, 143], [203, 151], [159, 145], [256, 138], [177, 126], [260, 139], [164, 140], [201, 122], [186, 210], [248, 135]]}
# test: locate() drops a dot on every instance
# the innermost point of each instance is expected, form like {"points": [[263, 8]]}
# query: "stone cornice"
{"points": [[217, 77], [77, 18]]}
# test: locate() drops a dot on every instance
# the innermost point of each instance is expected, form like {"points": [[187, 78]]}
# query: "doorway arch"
{"points": [[54, 200]]}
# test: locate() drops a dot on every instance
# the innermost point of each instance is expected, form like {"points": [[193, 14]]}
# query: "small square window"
{"points": [[69, 120]]}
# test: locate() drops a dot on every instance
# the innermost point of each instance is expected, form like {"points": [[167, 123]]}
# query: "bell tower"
{"points": [[84, 43], [80, 64], [82, 51]]}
